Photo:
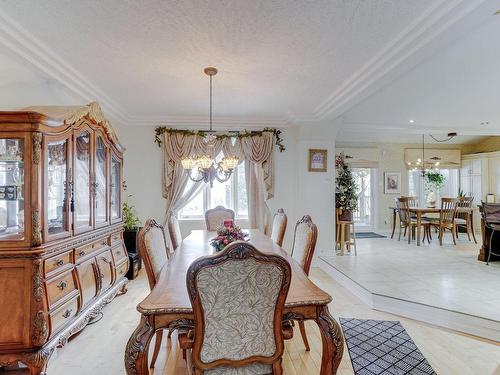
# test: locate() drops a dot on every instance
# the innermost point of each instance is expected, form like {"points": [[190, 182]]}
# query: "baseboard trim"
{"points": [[454, 320]]}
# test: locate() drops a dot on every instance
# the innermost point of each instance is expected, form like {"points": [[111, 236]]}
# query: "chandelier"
{"points": [[421, 165], [204, 167]]}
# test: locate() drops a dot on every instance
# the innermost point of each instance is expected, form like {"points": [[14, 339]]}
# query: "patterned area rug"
{"points": [[382, 347]]}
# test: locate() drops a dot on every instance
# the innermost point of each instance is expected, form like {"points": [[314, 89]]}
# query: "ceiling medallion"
{"points": [[205, 167]]}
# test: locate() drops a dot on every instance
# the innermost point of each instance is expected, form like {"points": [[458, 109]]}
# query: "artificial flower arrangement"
{"points": [[227, 234]]}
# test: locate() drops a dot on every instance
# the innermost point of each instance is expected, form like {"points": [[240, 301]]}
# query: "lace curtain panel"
{"points": [[257, 150]]}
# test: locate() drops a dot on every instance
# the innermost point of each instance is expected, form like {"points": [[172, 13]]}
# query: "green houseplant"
{"points": [[433, 182], [131, 225], [346, 199]]}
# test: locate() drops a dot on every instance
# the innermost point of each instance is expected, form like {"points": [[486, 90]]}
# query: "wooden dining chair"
{"points": [[278, 229], [464, 219], [447, 218], [238, 296], [304, 244], [408, 222], [215, 217], [174, 231], [154, 253]]}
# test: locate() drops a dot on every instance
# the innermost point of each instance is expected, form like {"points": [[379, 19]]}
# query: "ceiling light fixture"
{"points": [[411, 121], [423, 165], [206, 168]]}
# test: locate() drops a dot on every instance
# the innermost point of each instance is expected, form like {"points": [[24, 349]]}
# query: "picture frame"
{"points": [[392, 183], [318, 160]]}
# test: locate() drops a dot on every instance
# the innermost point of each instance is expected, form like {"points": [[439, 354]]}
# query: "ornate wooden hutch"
{"points": [[62, 256]]}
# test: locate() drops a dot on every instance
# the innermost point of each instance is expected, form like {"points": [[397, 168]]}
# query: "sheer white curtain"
{"points": [[256, 150]]}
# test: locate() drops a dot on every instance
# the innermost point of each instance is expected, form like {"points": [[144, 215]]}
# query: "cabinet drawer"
{"points": [[121, 269], [58, 262], [119, 253], [63, 315], [83, 251], [60, 286], [86, 273], [105, 267], [116, 238]]}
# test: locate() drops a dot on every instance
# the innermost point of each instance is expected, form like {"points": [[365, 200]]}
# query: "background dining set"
{"points": [[237, 297], [418, 223]]}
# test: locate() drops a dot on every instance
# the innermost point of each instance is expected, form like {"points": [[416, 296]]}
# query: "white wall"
{"points": [[298, 191]]}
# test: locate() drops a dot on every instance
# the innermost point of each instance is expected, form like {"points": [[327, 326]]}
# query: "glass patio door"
{"points": [[364, 216]]}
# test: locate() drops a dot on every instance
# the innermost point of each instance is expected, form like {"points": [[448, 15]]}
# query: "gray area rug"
{"points": [[369, 235], [382, 347]]}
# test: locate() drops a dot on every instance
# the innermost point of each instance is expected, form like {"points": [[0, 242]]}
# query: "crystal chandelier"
{"points": [[422, 165], [204, 167]]}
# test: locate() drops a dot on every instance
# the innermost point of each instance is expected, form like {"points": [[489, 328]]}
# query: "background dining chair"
{"points": [[154, 253], [464, 218], [304, 244], [278, 229], [447, 218], [215, 217], [238, 297], [408, 222], [174, 230]]}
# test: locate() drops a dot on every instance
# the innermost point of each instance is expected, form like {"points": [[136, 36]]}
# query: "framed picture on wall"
{"points": [[318, 160], [392, 183]]}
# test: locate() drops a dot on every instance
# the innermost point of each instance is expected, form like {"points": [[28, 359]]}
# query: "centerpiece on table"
{"points": [[227, 234]]}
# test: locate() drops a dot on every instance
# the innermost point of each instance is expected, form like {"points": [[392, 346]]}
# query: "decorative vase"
{"points": [[431, 200]]}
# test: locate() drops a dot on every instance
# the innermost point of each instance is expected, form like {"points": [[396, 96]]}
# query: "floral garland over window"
{"points": [[159, 131]]}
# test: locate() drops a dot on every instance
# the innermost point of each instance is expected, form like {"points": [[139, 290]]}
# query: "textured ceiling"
{"points": [[277, 59]]}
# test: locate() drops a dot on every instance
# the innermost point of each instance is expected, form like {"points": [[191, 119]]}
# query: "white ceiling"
{"points": [[280, 62], [456, 90]]}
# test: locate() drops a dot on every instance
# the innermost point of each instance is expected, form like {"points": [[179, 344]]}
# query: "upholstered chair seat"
{"points": [[215, 217], [304, 244], [253, 369], [238, 297], [279, 227], [174, 231], [154, 253]]}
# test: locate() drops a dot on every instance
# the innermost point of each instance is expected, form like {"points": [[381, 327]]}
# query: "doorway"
{"points": [[364, 216]]}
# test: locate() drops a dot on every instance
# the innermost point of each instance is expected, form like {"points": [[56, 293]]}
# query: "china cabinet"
{"points": [[62, 257]]}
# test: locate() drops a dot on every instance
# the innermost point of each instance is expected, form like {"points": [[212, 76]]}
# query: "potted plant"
{"points": [[346, 199], [433, 182], [131, 224]]}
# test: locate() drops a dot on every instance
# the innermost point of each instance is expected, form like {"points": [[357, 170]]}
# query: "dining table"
{"points": [[168, 306], [419, 212]]}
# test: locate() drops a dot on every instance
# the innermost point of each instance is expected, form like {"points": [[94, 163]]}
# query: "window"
{"points": [[231, 194], [416, 185]]}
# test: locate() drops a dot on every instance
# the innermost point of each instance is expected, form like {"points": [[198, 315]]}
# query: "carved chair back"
{"points": [[448, 211], [215, 217], [238, 297], [464, 202], [153, 249], [174, 231], [304, 242], [278, 229], [403, 205]]}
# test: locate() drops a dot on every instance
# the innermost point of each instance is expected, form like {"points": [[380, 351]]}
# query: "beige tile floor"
{"points": [[445, 276], [99, 349]]}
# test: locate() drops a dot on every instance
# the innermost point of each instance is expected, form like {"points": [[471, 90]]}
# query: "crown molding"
{"points": [[34, 51], [419, 34], [405, 128]]}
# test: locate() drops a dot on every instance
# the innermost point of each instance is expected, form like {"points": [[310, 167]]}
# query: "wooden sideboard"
{"points": [[62, 256]]}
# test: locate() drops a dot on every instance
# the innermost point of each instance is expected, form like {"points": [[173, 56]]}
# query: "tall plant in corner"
{"points": [[346, 199], [131, 224]]}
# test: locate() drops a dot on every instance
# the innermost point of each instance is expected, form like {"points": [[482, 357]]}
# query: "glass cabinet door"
{"points": [[57, 188], [116, 183], [11, 189], [100, 182], [81, 190]]}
